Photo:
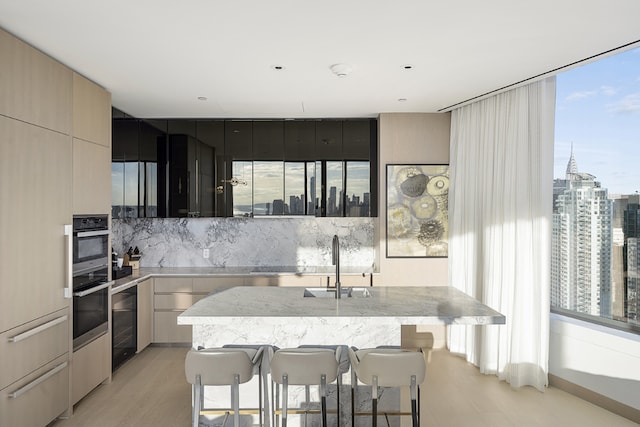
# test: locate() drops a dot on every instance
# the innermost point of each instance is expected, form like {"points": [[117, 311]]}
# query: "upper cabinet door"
{"points": [[34, 88], [91, 178], [91, 111]]}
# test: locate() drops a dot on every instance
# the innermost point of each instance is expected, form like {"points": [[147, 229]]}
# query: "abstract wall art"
{"points": [[417, 211]]}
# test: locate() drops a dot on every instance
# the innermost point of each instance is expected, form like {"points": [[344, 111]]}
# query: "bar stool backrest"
{"points": [[304, 366], [218, 366], [392, 367]]}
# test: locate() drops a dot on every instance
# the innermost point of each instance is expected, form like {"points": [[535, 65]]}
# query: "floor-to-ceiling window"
{"points": [[595, 267]]}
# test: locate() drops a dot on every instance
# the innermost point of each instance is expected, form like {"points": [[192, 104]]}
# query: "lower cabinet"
{"points": [[145, 314], [38, 398], [34, 371], [91, 367]]}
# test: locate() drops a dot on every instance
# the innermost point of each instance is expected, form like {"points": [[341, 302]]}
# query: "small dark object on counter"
{"points": [[118, 273]]}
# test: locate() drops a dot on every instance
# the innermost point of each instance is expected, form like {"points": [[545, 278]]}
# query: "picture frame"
{"points": [[417, 211]]}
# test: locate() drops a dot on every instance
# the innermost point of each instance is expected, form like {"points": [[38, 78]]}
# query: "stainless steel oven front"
{"points": [[91, 261]]}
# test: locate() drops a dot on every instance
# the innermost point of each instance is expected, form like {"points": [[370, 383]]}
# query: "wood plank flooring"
{"points": [[151, 390]]}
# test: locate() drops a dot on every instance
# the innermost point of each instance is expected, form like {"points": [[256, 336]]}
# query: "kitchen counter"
{"points": [[146, 273], [399, 305], [283, 317]]}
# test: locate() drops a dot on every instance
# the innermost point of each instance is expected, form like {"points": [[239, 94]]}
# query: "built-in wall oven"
{"points": [[91, 262]]}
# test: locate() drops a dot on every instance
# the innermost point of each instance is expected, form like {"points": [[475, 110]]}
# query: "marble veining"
{"points": [[386, 305], [257, 242], [283, 317]]}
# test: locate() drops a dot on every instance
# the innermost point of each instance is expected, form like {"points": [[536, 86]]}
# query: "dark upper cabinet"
{"points": [[238, 140], [356, 139], [329, 140], [124, 140], [210, 134], [268, 140], [178, 167], [300, 140]]}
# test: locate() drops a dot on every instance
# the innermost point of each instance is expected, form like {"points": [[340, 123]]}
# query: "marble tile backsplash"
{"points": [[241, 242]]}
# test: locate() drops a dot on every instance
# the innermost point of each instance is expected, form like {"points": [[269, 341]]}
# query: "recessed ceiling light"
{"points": [[202, 98], [407, 67], [341, 70]]}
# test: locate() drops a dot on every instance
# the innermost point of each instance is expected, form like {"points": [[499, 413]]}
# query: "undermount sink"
{"points": [[346, 292]]}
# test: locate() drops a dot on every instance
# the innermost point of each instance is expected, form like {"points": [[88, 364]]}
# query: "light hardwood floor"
{"points": [[151, 390]]}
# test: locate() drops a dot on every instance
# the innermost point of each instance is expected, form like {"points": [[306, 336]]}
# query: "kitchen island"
{"points": [[284, 317]]}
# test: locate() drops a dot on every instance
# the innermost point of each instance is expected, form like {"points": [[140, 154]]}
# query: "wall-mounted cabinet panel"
{"points": [[34, 88], [91, 178], [356, 139], [91, 111], [238, 139], [268, 140], [300, 140], [206, 168], [329, 140]]}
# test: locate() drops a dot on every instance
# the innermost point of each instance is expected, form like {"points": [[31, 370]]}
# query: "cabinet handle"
{"points": [[25, 388], [31, 332], [68, 235]]}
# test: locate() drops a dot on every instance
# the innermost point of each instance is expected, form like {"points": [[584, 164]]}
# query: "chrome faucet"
{"points": [[336, 261]]}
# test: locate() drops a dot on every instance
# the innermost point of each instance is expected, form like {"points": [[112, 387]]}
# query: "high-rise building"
{"points": [[582, 237], [631, 227]]}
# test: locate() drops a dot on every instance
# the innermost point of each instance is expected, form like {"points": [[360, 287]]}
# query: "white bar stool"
{"points": [[303, 366], [387, 367], [221, 367]]}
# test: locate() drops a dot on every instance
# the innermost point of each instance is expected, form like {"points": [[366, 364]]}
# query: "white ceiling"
{"points": [[157, 57]]}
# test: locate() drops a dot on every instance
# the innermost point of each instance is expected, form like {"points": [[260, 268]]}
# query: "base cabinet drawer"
{"points": [[30, 346], [37, 399], [167, 330]]}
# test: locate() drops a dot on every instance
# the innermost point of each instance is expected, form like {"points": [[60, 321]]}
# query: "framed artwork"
{"points": [[417, 211]]}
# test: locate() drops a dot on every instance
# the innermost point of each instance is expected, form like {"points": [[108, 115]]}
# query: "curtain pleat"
{"points": [[500, 228]]}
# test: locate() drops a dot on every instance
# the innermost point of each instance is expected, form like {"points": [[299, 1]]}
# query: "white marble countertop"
{"points": [[393, 304]]}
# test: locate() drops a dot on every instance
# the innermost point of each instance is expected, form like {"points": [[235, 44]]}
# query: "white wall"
{"points": [[603, 360]]}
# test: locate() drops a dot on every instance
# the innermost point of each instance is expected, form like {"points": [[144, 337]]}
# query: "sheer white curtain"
{"points": [[500, 204]]}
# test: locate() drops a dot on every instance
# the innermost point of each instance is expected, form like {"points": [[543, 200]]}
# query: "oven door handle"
{"points": [[92, 233], [92, 290]]}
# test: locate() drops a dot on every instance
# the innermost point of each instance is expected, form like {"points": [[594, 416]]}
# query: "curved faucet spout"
{"points": [[336, 261]]}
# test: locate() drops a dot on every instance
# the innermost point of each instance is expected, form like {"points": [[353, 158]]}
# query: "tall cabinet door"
{"points": [[35, 204]]}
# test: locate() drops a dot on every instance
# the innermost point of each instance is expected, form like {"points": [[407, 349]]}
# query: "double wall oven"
{"points": [[90, 270]]}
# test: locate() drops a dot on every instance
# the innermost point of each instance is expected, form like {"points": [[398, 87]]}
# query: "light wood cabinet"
{"points": [[91, 178], [35, 204], [37, 398], [145, 314], [91, 112], [91, 365], [27, 347], [34, 88], [171, 296]]}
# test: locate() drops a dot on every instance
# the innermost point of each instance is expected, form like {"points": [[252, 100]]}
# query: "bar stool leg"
{"points": [[374, 402], [414, 406], [354, 383], [197, 401], [323, 398], [339, 384], [235, 400], [285, 397]]}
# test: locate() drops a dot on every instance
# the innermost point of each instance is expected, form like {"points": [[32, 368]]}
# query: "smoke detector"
{"points": [[341, 70]]}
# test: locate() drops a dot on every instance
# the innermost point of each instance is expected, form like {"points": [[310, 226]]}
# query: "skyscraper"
{"points": [[581, 244]]}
